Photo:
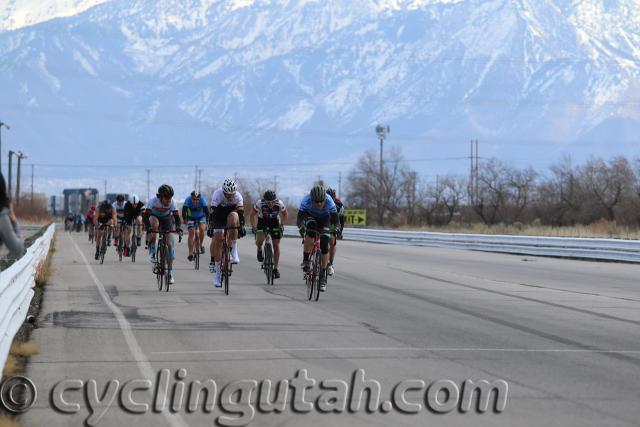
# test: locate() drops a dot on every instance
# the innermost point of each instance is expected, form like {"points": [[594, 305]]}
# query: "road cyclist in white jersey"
{"points": [[226, 210], [264, 216], [158, 214]]}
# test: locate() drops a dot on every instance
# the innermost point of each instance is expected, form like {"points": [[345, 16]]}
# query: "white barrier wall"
{"points": [[598, 249], [16, 290]]}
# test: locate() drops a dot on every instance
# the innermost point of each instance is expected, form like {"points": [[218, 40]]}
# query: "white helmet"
{"points": [[229, 186], [135, 199]]}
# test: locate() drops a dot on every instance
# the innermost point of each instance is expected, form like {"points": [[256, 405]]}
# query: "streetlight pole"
{"points": [[11, 153], [382, 134], [20, 155], [8, 127]]}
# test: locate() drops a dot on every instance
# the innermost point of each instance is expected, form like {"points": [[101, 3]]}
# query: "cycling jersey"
{"points": [[263, 209], [131, 211], [218, 199], [309, 207], [90, 213], [119, 208], [195, 210], [156, 208]]}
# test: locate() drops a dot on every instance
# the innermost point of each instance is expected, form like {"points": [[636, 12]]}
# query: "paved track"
{"points": [[564, 335]]}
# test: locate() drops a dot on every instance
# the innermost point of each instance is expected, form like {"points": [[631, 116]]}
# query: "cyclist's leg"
{"points": [[191, 232], [127, 235], [153, 221], [325, 237], [275, 238], [138, 222], [203, 228], [233, 220]]}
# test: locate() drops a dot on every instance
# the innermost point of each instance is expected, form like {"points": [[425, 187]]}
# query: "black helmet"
{"points": [[165, 190], [105, 203], [331, 192], [195, 194], [318, 193], [120, 198], [269, 195]]}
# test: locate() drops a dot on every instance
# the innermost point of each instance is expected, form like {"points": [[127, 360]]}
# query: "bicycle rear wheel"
{"points": [[316, 270], [167, 254], [268, 263]]}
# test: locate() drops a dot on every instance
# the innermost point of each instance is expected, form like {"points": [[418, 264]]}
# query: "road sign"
{"points": [[357, 217]]}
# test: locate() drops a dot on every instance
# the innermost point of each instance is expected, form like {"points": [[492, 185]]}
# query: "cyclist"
{"points": [[195, 208], [158, 213], [227, 209], [104, 217], [90, 221], [133, 217], [316, 214], [268, 211], [339, 227], [118, 215]]}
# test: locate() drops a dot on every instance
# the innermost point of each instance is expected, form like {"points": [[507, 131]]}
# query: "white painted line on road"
{"points": [[409, 349], [175, 420]]}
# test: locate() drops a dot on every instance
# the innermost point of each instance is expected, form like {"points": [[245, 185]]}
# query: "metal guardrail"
{"points": [[596, 249], [16, 290]]}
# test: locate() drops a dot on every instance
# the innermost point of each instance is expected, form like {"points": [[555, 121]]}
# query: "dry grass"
{"points": [[600, 229], [24, 349], [8, 421], [45, 269], [11, 366]]}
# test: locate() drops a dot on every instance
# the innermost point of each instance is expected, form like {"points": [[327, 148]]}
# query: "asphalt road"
{"points": [[564, 335]]}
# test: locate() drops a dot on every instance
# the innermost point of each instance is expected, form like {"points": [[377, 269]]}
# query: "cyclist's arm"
{"points": [[185, 209], [205, 211], [145, 218], [252, 217], [285, 212], [176, 216]]}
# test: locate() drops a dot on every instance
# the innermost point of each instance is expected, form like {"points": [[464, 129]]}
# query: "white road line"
{"points": [[175, 420], [408, 349]]}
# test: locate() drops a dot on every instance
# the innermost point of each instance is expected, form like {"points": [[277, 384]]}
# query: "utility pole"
{"points": [[382, 134], [195, 178], [199, 180], [473, 171], [11, 153], [20, 156], [8, 127], [105, 189], [148, 184], [32, 172], [275, 184], [339, 183]]}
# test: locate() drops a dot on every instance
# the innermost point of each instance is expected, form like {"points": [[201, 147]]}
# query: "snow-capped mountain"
{"points": [[286, 81]]}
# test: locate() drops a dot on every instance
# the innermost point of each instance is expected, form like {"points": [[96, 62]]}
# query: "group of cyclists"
{"points": [[321, 213]]}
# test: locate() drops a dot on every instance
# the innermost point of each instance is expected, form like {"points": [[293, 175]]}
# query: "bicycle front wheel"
{"points": [[160, 267], [268, 263], [316, 270]]}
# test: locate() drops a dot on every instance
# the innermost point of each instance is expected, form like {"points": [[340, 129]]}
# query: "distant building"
{"points": [[77, 199]]}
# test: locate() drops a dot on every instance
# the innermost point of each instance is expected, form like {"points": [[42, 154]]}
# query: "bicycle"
{"points": [[226, 267], [312, 277], [134, 241], [106, 231], [268, 263], [195, 224], [161, 266], [120, 247], [92, 233]]}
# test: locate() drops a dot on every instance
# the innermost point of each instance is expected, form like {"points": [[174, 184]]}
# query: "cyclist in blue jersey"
{"points": [[195, 209], [317, 215]]}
